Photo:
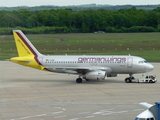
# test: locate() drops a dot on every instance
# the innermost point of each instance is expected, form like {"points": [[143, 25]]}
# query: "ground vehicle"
{"points": [[147, 79]]}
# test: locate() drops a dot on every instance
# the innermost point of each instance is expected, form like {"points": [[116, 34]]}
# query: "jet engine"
{"points": [[95, 75]]}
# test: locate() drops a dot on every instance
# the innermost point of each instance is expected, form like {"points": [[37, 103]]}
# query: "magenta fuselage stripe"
{"points": [[36, 56]]}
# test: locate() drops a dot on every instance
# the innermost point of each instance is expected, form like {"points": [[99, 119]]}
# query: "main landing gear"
{"points": [[79, 80]]}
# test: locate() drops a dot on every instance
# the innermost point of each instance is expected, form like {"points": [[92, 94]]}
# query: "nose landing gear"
{"points": [[129, 79]]}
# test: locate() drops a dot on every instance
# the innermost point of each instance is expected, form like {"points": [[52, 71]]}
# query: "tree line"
{"points": [[92, 6], [67, 20]]}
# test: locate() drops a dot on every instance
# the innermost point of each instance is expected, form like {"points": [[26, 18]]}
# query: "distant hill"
{"points": [[82, 7]]}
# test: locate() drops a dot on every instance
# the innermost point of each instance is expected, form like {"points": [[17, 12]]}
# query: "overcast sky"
{"points": [[11, 3]]}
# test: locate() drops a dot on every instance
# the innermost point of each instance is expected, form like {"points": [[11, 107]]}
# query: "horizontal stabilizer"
{"points": [[19, 59]]}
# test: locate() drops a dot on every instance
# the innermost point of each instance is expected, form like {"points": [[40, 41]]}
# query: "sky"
{"points": [[13, 3]]}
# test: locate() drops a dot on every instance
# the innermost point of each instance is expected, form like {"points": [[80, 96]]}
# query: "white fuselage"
{"points": [[111, 64]]}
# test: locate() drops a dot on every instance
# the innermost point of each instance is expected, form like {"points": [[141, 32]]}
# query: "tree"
{"points": [[151, 19]]}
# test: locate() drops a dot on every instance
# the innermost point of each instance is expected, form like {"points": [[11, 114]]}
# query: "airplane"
{"points": [[150, 114], [89, 68]]}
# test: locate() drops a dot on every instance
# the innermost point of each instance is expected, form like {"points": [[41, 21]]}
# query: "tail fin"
{"points": [[24, 46], [28, 54]]}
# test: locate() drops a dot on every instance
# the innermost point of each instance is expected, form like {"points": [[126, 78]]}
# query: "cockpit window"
{"points": [[150, 118], [136, 118], [142, 62], [145, 61], [143, 118]]}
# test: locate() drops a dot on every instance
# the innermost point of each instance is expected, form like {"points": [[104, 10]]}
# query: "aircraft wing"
{"points": [[75, 70], [146, 105]]}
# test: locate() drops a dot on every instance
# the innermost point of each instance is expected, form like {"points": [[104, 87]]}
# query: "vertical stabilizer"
{"points": [[24, 46], [28, 54]]}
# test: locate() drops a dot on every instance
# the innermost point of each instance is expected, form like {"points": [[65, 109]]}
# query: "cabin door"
{"points": [[130, 62]]}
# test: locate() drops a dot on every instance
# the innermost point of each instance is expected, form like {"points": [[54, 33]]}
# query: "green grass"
{"points": [[146, 45]]}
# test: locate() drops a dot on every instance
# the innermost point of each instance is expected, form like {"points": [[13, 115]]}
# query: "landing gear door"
{"points": [[130, 62]]}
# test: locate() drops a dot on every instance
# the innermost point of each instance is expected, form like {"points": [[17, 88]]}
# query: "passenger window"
{"points": [[140, 62]]}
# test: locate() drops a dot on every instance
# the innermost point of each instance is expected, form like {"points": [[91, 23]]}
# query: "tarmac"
{"points": [[30, 94]]}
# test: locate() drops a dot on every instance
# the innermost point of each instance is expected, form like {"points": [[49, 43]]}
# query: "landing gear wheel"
{"points": [[128, 80], [79, 80]]}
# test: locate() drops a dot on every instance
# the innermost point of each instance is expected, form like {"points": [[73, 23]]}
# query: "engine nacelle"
{"points": [[95, 75]]}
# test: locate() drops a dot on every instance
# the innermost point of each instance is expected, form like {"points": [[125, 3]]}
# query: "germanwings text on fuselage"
{"points": [[98, 59]]}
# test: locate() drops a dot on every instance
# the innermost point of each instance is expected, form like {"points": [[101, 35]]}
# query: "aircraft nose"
{"points": [[149, 67]]}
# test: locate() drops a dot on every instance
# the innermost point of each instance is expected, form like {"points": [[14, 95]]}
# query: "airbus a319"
{"points": [[88, 68]]}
